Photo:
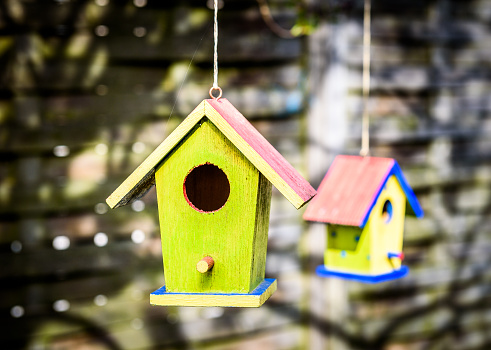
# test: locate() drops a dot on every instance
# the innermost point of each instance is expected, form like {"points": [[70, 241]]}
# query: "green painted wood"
{"points": [[261, 231], [227, 235]]}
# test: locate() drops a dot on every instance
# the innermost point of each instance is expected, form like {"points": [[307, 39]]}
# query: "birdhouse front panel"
{"points": [[366, 250], [213, 203], [386, 226]]}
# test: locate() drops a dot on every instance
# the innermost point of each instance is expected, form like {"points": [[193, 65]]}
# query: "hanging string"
{"points": [[365, 136], [215, 86], [215, 41]]}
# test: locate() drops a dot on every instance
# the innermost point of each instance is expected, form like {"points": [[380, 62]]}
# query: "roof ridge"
{"points": [[241, 133]]}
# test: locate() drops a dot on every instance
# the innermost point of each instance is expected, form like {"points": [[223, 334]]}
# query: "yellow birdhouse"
{"points": [[213, 176], [363, 202]]}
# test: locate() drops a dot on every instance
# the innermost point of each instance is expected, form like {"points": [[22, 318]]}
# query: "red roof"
{"points": [[349, 190], [264, 149]]}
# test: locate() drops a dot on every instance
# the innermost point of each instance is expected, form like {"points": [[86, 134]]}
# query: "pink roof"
{"points": [[351, 187], [264, 149]]}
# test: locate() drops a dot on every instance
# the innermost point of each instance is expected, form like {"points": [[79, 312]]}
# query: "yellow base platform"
{"points": [[253, 299]]}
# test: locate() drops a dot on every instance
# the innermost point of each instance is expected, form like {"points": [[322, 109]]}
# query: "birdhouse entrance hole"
{"points": [[387, 211], [206, 188]]}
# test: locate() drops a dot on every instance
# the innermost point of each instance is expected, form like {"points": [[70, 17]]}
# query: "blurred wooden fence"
{"points": [[89, 88]]}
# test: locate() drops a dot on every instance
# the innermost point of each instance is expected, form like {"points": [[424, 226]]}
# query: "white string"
{"points": [[365, 136], [215, 55], [215, 86]]}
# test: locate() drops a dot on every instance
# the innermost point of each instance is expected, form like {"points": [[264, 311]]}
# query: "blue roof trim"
{"points": [[259, 290], [322, 271], [408, 191]]}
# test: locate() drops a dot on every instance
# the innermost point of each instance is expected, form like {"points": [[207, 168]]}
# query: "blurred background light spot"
{"points": [[77, 47], [101, 149], [100, 300], [212, 312], [100, 239], [140, 3], [138, 206], [61, 305], [17, 311], [137, 323], [140, 32], [61, 151], [100, 208], [102, 2], [138, 147], [101, 90], [61, 243], [98, 66], [16, 246], [101, 30], [137, 236], [16, 10]]}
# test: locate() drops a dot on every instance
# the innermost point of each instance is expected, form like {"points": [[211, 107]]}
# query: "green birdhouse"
{"points": [[214, 176]]}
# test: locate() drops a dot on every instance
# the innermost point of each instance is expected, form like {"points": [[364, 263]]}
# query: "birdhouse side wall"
{"points": [[226, 235], [348, 249], [386, 229], [260, 244]]}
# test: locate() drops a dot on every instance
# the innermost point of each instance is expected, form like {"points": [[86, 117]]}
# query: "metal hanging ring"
{"points": [[219, 89]]}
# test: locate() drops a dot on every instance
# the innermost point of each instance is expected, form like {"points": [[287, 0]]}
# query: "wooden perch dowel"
{"points": [[205, 264]]}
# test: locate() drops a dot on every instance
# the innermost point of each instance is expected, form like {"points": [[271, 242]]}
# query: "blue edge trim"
{"points": [[411, 197], [322, 271], [260, 289]]}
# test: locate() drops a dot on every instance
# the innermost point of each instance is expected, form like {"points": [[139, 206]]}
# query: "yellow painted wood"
{"points": [[124, 193], [344, 253], [344, 237], [245, 300], [253, 156], [387, 236], [231, 235], [376, 239]]}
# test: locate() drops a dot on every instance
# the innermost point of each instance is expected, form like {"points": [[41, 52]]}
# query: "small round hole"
{"points": [[387, 211], [206, 188]]}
